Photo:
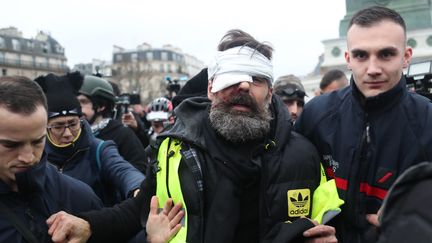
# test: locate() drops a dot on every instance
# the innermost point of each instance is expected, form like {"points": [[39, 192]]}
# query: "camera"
{"points": [[419, 78], [173, 87], [122, 103]]}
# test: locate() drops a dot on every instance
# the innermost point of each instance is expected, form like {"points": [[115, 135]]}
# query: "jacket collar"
{"points": [[29, 181], [382, 101]]}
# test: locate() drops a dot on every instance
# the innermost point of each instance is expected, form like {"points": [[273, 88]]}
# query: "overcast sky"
{"points": [[89, 28]]}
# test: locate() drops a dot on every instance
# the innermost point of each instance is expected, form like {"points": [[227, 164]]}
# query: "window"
{"points": [[30, 45], [2, 43], [164, 56], [134, 57], [169, 68], [161, 68], [59, 49], [149, 56], [119, 58], [16, 45], [4, 72]]}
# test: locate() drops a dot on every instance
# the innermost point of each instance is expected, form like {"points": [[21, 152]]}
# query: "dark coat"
{"points": [[365, 144], [291, 162], [405, 215], [43, 191], [113, 179], [129, 146]]}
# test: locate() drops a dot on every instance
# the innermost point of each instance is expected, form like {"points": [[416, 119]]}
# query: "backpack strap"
{"points": [[98, 154], [13, 218]]}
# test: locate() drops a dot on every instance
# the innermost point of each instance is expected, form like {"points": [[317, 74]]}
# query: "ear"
{"points": [[42, 83], [76, 80], [348, 59], [407, 56], [210, 95]]}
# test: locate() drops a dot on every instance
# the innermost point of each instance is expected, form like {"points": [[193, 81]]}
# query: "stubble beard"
{"points": [[240, 126]]}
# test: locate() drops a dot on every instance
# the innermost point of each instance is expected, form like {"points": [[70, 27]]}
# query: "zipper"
{"points": [[169, 155], [356, 173]]}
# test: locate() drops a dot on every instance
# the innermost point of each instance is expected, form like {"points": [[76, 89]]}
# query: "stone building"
{"points": [[30, 57], [144, 70]]}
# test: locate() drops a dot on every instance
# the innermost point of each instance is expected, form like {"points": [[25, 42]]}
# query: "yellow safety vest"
{"points": [[168, 181], [325, 197], [326, 201]]}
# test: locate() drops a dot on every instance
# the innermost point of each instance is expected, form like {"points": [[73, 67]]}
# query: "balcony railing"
{"points": [[31, 64]]}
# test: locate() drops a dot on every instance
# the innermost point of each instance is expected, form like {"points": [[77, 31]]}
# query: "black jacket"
{"points": [[365, 144], [290, 162], [129, 146], [43, 191]]}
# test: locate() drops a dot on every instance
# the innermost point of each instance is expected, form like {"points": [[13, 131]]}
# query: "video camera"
{"points": [[122, 103], [419, 78], [173, 87]]}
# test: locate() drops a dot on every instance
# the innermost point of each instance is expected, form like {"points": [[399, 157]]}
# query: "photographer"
{"points": [[136, 119], [97, 101]]}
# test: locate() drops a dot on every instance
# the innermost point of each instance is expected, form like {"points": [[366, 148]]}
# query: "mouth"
{"points": [[18, 169], [241, 107], [375, 84]]}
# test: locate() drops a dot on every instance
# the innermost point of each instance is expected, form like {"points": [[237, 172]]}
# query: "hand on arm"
{"points": [[64, 227], [164, 225]]}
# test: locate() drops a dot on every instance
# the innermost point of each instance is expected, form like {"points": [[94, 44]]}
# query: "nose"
{"points": [[26, 154], [67, 132], [243, 86], [374, 67]]}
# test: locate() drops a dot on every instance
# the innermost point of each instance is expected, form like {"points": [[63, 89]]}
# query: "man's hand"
{"points": [[320, 234], [65, 227], [162, 226], [128, 119]]}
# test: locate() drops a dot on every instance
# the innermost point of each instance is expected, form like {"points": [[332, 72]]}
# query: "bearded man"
{"points": [[231, 161]]}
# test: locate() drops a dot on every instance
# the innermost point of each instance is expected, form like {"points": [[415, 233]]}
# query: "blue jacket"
{"points": [[111, 177], [365, 143], [43, 191]]}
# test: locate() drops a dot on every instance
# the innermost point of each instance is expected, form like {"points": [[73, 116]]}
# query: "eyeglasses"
{"points": [[291, 92], [60, 129]]}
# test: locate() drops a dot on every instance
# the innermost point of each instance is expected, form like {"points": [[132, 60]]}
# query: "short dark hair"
{"points": [[21, 95], [331, 76], [236, 37], [373, 15]]}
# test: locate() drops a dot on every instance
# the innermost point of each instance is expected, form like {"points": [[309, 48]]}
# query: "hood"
{"points": [[193, 111]]}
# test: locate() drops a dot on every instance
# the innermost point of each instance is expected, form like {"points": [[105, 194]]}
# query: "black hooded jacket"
{"points": [[285, 161]]}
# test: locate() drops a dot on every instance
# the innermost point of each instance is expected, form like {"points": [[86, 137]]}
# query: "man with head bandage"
{"points": [[231, 161]]}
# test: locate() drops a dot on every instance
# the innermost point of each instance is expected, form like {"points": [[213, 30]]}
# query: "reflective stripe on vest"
{"points": [[168, 181]]}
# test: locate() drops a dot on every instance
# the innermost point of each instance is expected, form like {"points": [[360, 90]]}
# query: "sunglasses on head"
{"points": [[291, 92]]}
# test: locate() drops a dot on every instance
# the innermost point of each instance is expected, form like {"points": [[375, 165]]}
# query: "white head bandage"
{"points": [[238, 64]]}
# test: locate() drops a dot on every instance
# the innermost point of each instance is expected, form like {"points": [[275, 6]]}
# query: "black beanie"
{"points": [[196, 86], [61, 92]]}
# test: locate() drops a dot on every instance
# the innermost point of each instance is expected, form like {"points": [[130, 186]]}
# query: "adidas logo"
{"points": [[298, 202]]}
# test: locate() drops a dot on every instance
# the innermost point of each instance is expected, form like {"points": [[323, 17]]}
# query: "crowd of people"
{"points": [[236, 156]]}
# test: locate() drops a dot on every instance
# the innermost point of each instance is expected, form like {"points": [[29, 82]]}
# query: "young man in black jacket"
{"points": [[31, 189], [370, 132], [232, 161]]}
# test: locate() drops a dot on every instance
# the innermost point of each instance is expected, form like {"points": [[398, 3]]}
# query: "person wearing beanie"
{"points": [[292, 92], [75, 151]]}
